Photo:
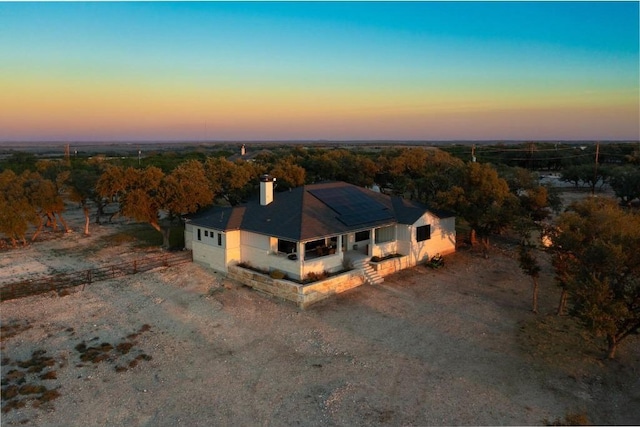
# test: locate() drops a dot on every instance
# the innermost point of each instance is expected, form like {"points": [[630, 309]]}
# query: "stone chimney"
{"points": [[266, 189]]}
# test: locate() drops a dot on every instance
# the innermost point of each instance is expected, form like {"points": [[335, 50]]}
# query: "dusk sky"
{"points": [[310, 71]]}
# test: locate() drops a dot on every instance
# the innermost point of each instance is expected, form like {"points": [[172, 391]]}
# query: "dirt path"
{"points": [[448, 347]]}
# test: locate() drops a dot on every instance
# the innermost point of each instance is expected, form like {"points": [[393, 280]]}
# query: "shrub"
{"points": [[386, 257], [314, 277], [277, 274]]}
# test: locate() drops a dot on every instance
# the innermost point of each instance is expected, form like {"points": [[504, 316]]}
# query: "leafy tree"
{"points": [[587, 174], [439, 174], [481, 198], [16, 210], [19, 162], [536, 201], [45, 199], [530, 266], [596, 253], [625, 182], [144, 193], [82, 189], [232, 181], [56, 175], [288, 174], [418, 173], [572, 174], [405, 170], [186, 189]]}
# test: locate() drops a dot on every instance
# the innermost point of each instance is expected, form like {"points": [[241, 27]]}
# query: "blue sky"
{"points": [[315, 70]]}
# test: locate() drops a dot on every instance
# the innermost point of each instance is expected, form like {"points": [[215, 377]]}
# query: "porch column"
{"points": [[339, 244], [300, 250]]}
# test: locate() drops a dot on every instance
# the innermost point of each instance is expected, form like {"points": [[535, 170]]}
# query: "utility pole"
{"points": [[531, 149], [595, 169]]}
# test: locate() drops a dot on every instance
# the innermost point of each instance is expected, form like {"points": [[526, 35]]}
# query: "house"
{"points": [[318, 229]]}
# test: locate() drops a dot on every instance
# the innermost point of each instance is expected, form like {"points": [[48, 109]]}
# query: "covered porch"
{"points": [[330, 253]]}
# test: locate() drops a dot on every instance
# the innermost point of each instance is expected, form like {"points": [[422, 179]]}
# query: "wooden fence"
{"points": [[61, 281]]}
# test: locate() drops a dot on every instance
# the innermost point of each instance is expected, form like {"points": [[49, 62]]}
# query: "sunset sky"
{"points": [[310, 71]]}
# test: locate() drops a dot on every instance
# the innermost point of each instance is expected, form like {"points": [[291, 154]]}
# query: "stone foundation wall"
{"points": [[390, 266], [302, 295]]}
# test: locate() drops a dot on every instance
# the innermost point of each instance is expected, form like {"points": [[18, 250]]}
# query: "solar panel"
{"points": [[352, 205]]}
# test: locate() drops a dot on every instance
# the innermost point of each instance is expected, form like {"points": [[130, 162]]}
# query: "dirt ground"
{"points": [[182, 346]]}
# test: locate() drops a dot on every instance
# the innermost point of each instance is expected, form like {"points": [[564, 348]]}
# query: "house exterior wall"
{"points": [[255, 249], [384, 249], [329, 263], [206, 251], [233, 248], [188, 235], [442, 239]]}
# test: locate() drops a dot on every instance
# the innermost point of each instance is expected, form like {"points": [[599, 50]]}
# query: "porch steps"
{"points": [[370, 275]]}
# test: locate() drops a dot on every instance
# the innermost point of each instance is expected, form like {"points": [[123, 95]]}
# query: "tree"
{"points": [[185, 190], [144, 193], [530, 266], [82, 189], [45, 199], [536, 201], [481, 198], [55, 174], [596, 252], [232, 181], [625, 182], [288, 174], [16, 210]]}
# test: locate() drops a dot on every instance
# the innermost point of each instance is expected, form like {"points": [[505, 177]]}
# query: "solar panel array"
{"points": [[352, 205]]}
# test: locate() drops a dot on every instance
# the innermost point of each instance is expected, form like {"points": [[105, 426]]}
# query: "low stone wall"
{"points": [[302, 295], [391, 265]]}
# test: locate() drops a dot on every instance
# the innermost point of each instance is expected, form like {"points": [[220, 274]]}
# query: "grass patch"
{"points": [[145, 236]]}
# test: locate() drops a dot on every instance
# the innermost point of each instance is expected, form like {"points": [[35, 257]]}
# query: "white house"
{"points": [[315, 228]]}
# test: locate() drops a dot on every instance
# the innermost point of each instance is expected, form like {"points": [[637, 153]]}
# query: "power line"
{"points": [[479, 155]]}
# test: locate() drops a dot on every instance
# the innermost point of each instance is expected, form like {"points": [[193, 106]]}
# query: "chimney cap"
{"points": [[267, 178]]}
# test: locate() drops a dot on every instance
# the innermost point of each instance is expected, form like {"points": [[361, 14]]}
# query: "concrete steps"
{"points": [[370, 275]]}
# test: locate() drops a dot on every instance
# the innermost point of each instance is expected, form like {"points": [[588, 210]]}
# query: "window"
{"points": [[199, 234], [286, 246], [309, 246], [385, 234], [362, 235], [219, 239], [423, 233], [206, 233]]}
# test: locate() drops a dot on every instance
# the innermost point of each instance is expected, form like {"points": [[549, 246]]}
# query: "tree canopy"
{"points": [[596, 248], [482, 198], [144, 194]]}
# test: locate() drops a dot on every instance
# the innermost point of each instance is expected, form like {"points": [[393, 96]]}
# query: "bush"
{"points": [[386, 257], [277, 274], [314, 277]]}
